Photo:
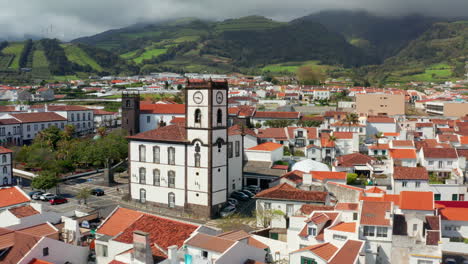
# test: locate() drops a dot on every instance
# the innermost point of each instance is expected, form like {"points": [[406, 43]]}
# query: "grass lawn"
{"points": [[14, 49], [129, 55], [114, 96], [433, 73], [65, 78], [149, 54], [293, 66], [80, 57]]}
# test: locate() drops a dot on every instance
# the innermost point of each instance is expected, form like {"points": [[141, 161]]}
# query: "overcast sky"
{"points": [[74, 18]]}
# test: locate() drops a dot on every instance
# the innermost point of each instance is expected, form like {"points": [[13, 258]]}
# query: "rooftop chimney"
{"points": [[142, 248], [307, 179]]}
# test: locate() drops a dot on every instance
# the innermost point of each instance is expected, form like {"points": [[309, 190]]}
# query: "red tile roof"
{"points": [[38, 117], [416, 200], [424, 124], [102, 112], [307, 209], [38, 261], [277, 115], [267, 146], [402, 143], [374, 190], [324, 251], [347, 206], [380, 120], [163, 232], [440, 153], [318, 218], [373, 213], [311, 132], [276, 133], [121, 219], [454, 213], [448, 138], [353, 159], [211, 243], [348, 253], [287, 192], [40, 230], [11, 196], [4, 150], [344, 227], [23, 211], [9, 121], [19, 243], [403, 154], [380, 146], [171, 133], [326, 143], [67, 108], [464, 140], [176, 109], [343, 135], [328, 175], [410, 173]]}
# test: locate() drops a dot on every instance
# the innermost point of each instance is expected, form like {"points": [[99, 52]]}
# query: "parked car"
{"points": [[240, 196], [46, 196], [227, 211], [58, 200], [232, 202], [253, 188], [248, 193], [34, 193], [97, 192]]}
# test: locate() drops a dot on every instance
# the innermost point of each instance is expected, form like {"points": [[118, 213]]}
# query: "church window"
{"points": [[198, 116], [171, 155], [171, 200], [197, 159], [219, 117], [156, 177], [142, 151], [142, 196], [142, 175], [156, 154], [171, 181]]}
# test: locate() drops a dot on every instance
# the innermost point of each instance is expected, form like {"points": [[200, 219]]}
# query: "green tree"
{"points": [[351, 178], [378, 136], [278, 123], [351, 119], [45, 181], [84, 194], [309, 123], [49, 136], [68, 132], [308, 76], [265, 216]]}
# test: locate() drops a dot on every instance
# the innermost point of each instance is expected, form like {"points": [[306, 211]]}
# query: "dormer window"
{"points": [[312, 231]]}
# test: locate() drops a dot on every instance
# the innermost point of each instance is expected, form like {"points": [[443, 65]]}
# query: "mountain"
{"points": [[380, 36], [43, 59], [227, 46], [438, 54]]}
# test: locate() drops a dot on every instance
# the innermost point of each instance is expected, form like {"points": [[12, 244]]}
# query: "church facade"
{"points": [[186, 167]]}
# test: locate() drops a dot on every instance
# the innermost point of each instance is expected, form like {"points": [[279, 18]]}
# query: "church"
{"points": [[193, 166]]}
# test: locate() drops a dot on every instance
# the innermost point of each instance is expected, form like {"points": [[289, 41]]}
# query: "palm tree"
{"points": [[101, 131], [84, 194], [69, 131], [378, 136], [351, 119]]}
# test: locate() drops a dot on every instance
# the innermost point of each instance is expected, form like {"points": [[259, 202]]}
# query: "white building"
{"points": [[33, 123], [6, 169], [186, 167], [80, 117]]}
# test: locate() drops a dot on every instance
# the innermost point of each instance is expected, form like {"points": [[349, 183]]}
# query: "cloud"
{"points": [[70, 19]]}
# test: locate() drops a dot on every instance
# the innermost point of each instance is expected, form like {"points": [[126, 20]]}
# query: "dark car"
{"points": [[58, 200], [97, 192], [248, 193], [253, 188], [240, 196], [227, 211]]}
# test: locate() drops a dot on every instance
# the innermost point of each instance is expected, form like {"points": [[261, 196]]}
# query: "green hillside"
{"points": [[13, 49], [234, 45], [77, 55], [438, 54]]}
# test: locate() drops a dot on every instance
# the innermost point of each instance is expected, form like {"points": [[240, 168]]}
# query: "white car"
{"points": [[46, 196]]}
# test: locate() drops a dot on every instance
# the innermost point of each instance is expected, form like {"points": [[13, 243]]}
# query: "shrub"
{"points": [[351, 178], [299, 153], [286, 151]]}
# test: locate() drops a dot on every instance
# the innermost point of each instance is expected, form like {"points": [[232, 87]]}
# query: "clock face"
{"points": [[219, 97], [198, 97]]}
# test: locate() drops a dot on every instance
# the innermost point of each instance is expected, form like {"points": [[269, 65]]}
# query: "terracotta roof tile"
{"points": [[318, 218], [40, 230], [307, 209], [118, 221], [448, 138], [380, 146], [255, 243], [403, 154], [373, 213], [432, 238], [67, 108], [353, 159], [424, 124], [9, 121], [38, 261], [267, 146], [345, 227], [276, 133], [410, 200], [440, 153], [235, 235], [402, 143], [4, 150], [238, 130], [171, 133], [212, 243], [410, 173], [11, 196], [287, 192], [38, 117], [374, 189], [348, 253], [380, 120], [454, 213], [23, 211], [343, 135], [102, 112], [163, 232], [347, 206], [324, 251], [311, 132], [464, 140], [328, 175]]}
